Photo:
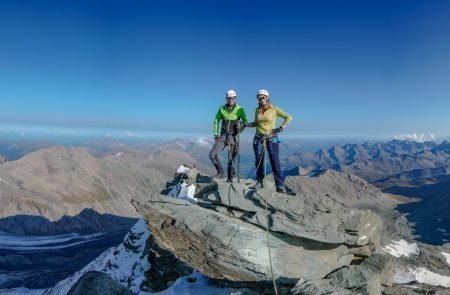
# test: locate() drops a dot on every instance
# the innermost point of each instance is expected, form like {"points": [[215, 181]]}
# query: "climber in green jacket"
{"points": [[233, 119]]}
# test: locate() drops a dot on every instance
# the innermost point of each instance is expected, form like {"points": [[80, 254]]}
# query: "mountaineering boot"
{"points": [[281, 189], [230, 174], [219, 175], [257, 185], [219, 170]]}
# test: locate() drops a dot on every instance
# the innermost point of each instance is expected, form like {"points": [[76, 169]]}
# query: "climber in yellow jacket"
{"points": [[265, 122]]}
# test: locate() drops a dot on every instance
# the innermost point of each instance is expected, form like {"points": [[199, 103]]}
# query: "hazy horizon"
{"points": [[26, 131]]}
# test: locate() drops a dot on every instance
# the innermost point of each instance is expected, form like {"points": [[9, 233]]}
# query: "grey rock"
{"points": [[311, 237], [318, 287], [373, 287], [319, 218], [235, 195], [357, 276], [364, 251], [165, 268], [415, 289], [365, 279], [226, 248]]}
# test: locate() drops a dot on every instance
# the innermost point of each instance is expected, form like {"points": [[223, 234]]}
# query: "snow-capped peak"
{"points": [[125, 263]]}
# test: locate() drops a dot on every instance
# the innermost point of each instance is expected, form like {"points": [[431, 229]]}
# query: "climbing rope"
{"points": [[262, 156], [267, 216]]}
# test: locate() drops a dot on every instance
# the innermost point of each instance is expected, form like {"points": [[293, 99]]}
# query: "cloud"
{"points": [[416, 137], [132, 134]]}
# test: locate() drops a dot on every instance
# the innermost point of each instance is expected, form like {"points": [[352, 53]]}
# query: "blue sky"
{"points": [[338, 67]]}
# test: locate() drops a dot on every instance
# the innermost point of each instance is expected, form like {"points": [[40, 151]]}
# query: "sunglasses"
{"points": [[262, 97], [231, 98]]}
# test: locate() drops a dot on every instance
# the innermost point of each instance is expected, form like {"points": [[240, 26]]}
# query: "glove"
{"points": [[239, 127], [249, 125], [277, 130], [216, 138]]}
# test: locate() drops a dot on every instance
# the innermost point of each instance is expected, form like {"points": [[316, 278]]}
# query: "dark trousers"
{"points": [[273, 149], [219, 146]]}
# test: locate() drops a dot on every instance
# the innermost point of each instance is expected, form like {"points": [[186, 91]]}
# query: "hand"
{"points": [[216, 138], [239, 127], [249, 125], [277, 130]]}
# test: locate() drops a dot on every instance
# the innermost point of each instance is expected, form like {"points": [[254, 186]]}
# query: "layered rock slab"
{"points": [[227, 248], [314, 217]]}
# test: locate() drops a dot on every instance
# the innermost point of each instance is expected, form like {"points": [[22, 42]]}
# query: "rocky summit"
{"points": [[240, 236]]}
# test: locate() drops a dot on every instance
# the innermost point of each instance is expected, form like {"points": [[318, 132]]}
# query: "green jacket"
{"points": [[229, 119]]}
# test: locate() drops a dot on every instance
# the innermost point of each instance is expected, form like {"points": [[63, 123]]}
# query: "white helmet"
{"points": [[262, 92], [231, 93]]}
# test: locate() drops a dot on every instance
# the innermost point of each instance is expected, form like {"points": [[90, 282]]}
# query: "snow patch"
{"points": [[182, 190], [425, 276], [187, 193], [119, 154], [182, 169], [447, 257], [194, 284], [402, 248]]}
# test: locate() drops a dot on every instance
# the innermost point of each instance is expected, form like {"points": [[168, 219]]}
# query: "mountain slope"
{"points": [[60, 181]]}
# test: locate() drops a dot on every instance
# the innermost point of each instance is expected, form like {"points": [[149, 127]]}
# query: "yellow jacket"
{"points": [[266, 118]]}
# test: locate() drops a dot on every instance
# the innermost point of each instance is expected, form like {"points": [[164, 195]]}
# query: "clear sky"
{"points": [[338, 67]]}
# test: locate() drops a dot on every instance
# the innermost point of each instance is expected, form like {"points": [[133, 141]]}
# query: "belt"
{"points": [[262, 135]]}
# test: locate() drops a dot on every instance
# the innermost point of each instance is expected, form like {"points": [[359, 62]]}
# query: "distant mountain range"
{"points": [[15, 149], [375, 161]]}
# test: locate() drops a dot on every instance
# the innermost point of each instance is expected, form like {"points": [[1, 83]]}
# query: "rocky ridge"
{"points": [[312, 237], [220, 229]]}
